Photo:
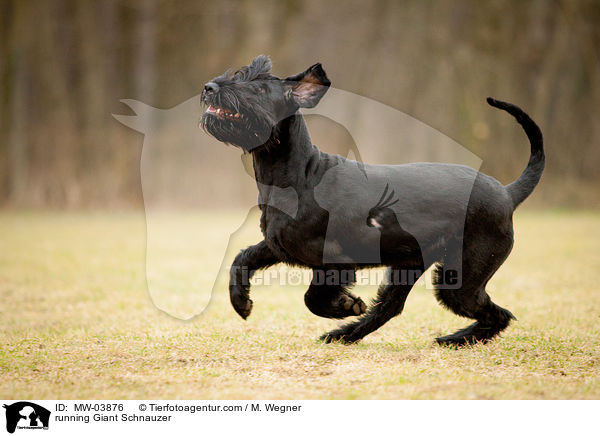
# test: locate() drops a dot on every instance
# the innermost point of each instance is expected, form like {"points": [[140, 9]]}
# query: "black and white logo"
{"points": [[26, 415]]}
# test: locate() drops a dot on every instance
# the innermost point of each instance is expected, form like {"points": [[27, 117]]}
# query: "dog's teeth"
{"points": [[237, 115]]}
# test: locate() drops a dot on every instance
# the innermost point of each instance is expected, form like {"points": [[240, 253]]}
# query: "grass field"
{"points": [[77, 322]]}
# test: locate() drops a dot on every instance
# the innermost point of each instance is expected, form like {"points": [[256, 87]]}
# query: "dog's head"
{"points": [[244, 108]]}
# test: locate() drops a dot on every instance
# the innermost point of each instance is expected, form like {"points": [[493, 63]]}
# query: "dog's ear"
{"points": [[307, 88]]}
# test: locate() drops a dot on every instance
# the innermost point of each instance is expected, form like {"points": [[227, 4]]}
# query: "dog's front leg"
{"points": [[245, 264]]}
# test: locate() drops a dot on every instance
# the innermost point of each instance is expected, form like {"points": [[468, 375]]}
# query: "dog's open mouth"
{"points": [[223, 113]]}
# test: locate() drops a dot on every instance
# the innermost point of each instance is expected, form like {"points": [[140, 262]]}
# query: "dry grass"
{"points": [[77, 323]]}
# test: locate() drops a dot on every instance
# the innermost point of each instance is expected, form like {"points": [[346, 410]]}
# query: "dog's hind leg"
{"points": [[328, 294], [388, 303], [481, 259], [245, 264]]}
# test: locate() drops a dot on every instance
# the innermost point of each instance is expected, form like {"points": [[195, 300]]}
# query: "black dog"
{"points": [[418, 218]]}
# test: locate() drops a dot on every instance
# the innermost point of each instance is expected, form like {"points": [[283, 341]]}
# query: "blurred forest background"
{"points": [[65, 64]]}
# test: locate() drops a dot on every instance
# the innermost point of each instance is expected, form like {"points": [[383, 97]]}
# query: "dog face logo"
{"points": [[26, 415]]}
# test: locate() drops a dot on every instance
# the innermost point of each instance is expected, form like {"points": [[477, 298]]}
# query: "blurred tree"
{"points": [[65, 64]]}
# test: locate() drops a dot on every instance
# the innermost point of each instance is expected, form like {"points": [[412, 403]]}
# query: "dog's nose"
{"points": [[210, 88]]}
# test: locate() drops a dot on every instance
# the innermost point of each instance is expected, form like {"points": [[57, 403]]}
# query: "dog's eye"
{"points": [[261, 90]]}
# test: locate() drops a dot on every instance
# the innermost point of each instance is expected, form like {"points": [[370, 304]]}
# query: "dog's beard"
{"points": [[246, 132]]}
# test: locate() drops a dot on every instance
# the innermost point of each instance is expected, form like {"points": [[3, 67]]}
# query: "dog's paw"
{"points": [[339, 307], [330, 337], [242, 305], [348, 305], [456, 341], [342, 336], [450, 341], [476, 333]]}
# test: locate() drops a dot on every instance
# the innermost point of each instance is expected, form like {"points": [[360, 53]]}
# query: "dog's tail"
{"points": [[521, 188]]}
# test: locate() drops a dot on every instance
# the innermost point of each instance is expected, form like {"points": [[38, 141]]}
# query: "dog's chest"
{"points": [[296, 241]]}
